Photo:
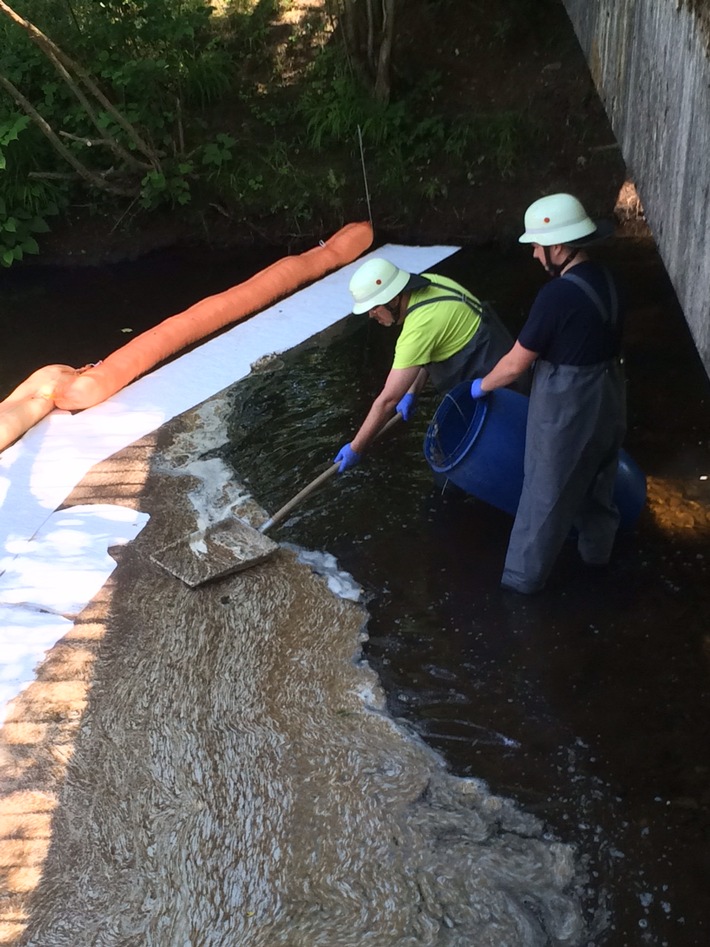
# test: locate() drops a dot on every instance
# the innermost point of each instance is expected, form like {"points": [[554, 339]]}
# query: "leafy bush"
{"points": [[24, 204], [404, 137], [161, 64], [203, 110]]}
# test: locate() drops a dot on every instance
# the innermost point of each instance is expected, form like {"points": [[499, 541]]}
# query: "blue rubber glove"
{"points": [[347, 458], [407, 406], [476, 390]]}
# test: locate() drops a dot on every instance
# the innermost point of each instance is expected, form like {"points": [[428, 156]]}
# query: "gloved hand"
{"points": [[476, 390], [346, 457], [407, 406]]}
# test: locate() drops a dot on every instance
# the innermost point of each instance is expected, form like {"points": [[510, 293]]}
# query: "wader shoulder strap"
{"points": [[452, 296], [608, 315]]}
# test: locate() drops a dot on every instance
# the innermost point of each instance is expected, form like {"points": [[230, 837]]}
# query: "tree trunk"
{"points": [[383, 77], [368, 29]]}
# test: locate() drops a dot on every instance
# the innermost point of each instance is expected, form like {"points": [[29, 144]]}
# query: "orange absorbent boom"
{"points": [[209, 315], [31, 401]]}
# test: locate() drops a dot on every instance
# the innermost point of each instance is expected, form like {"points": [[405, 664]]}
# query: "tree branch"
{"points": [[63, 63], [86, 173]]}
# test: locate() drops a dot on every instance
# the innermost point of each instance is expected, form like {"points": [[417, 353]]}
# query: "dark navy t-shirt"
{"points": [[566, 328]]}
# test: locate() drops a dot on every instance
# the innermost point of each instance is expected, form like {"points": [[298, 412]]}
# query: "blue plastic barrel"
{"points": [[479, 445]]}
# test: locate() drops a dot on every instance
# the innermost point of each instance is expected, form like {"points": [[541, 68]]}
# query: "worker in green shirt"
{"points": [[447, 335]]}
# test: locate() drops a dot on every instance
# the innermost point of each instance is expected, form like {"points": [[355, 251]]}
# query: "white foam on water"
{"points": [[340, 583]]}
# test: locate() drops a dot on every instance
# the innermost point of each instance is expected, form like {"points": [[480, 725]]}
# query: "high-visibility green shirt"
{"points": [[435, 332]]}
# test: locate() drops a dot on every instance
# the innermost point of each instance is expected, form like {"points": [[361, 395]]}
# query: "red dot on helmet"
{"points": [[547, 220], [378, 282]]}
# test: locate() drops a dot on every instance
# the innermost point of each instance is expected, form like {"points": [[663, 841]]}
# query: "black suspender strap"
{"points": [[608, 315], [452, 297]]}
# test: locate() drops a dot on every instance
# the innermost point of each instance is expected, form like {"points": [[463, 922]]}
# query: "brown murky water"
{"points": [[262, 762], [590, 703]]}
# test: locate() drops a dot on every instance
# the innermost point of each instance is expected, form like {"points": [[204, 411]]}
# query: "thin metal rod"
{"points": [[364, 174]]}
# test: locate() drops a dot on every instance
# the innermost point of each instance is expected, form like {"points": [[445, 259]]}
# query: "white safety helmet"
{"points": [[557, 218], [375, 283]]}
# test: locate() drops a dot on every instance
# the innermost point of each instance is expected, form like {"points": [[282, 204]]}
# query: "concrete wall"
{"points": [[649, 61]]}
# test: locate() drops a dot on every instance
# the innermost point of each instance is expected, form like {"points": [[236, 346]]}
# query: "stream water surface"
{"points": [[584, 708]]}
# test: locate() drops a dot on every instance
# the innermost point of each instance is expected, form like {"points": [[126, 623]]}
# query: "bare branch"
{"points": [[68, 175], [86, 173], [89, 142], [53, 175], [63, 63], [371, 59]]}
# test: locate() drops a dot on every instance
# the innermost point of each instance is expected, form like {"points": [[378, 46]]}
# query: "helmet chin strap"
{"points": [[554, 269], [393, 307]]}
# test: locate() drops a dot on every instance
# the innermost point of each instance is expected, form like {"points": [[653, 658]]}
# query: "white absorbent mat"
{"points": [[50, 579], [26, 637], [65, 564]]}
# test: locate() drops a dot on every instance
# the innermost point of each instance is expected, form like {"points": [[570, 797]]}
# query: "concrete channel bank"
{"points": [[649, 62]]}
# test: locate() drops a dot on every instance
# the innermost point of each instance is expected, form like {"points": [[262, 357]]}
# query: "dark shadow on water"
{"points": [[78, 315]]}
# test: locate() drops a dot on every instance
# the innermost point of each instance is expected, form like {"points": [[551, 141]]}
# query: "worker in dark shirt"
{"points": [[577, 413]]}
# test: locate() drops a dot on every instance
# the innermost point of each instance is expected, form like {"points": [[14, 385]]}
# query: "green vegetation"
{"points": [[128, 106], [24, 205]]}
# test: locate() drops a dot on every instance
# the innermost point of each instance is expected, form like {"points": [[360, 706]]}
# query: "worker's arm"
{"points": [[419, 382], [511, 366], [408, 402], [399, 382]]}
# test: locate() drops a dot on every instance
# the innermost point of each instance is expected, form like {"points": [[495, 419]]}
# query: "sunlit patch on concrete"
{"points": [[26, 636], [678, 507]]}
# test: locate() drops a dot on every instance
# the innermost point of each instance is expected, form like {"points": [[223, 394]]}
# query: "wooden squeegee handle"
{"points": [[314, 484]]}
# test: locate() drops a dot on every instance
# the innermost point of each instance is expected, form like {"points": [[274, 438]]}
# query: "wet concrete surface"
{"points": [[588, 704]]}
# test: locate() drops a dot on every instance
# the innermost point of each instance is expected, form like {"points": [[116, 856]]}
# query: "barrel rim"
{"points": [[450, 401]]}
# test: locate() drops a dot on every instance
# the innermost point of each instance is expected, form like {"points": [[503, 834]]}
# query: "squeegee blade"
{"points": [[224, 548]]}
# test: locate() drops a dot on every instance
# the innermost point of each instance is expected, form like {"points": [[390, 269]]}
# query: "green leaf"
{"points": [[10, 225], [38, 225], [155, 180], [10, 133]]}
